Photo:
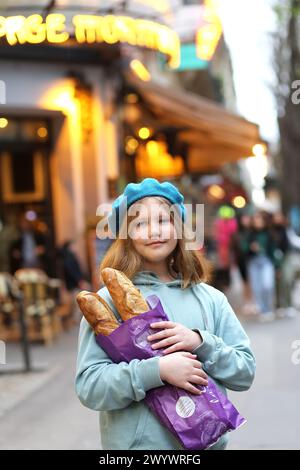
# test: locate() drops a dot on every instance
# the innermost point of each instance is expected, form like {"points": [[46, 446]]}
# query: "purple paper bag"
{"points": [[197, 421]]}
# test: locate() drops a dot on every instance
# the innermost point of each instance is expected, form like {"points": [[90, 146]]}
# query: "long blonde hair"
{"points": [[191, 264]]}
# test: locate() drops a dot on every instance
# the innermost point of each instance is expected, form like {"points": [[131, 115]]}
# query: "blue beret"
{"points": [[133, 192]]}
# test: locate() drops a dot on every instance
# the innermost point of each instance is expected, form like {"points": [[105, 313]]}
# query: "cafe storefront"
{"points": [[59, 144]]}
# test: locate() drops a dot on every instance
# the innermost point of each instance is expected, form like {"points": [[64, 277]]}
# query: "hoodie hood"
{"points": [[149, 278], [149, 281]]}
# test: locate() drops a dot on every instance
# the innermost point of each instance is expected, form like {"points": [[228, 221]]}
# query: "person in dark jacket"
{"points": [[71, 269], [29, 250], [281, 242], [74, 278], [240, 244]]}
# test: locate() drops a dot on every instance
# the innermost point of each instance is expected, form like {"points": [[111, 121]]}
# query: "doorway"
{"points": [[25, 180]]}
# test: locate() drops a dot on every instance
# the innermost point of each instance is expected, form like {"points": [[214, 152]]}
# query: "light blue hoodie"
{"points": [[117, 390]]}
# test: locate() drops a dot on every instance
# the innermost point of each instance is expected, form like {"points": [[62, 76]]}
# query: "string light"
{"points": [[131, 145], [3, 123], [42, 132], [216, 191], [131, 98], [259, 150], [239, 202], [140, 70], [144, 133]]}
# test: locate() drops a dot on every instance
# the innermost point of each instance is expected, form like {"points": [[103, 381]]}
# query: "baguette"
{"points": [[126, 297], [97, 312]]}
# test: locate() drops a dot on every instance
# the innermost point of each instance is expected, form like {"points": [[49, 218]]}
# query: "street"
{"points": [[41, 411]]}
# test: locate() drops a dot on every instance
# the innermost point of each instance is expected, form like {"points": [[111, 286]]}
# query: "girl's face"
{"points": [[152, 231]]}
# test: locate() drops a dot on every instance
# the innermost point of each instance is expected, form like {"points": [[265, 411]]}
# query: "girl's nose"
{"points": [[154, 229]]}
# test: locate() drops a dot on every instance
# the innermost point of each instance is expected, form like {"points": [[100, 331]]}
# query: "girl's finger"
{"points": [[165, 342], [195, 379], [174, 348], [200, 373], [197, 364], [160, 335], [163, 324], [198, 369], [190, 388], [188, 354]]}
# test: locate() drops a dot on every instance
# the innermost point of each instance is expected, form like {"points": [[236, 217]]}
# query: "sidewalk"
{"points": [[40, 410]]}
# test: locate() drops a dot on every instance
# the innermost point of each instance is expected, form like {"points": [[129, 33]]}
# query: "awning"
{"points": [[214, 135]]}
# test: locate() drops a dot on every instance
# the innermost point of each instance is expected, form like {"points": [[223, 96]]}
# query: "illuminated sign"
{"points": [[208, 35], [90, 29], [33, 29]]}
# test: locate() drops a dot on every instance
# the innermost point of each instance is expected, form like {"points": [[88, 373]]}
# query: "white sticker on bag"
{"points": [[185, 407]]}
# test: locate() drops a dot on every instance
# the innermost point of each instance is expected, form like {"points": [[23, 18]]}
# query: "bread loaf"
{"points": [[97, 312], [126, 297]]}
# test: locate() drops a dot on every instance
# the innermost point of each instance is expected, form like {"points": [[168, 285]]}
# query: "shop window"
{"points": [[22, 176]]}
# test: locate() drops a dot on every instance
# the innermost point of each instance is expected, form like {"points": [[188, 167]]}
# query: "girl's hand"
{"points": [[182, 370], [174, 337]]}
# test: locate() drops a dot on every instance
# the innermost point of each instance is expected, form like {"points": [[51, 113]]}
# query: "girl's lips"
{"points": [[155, 243]]}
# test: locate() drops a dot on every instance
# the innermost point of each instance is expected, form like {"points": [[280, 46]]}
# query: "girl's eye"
{"points": [[142, 223], [164, 221]]}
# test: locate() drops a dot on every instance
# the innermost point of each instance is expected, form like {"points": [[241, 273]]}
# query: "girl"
{"points": [[202, 337]]}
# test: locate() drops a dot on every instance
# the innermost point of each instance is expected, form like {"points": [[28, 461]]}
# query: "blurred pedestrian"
{"points": [[261, 267], [8, 235], [74, 278], [240, 244], [29, 250], [290, 271], [71, 270], [281, 244], [224, 229]]}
